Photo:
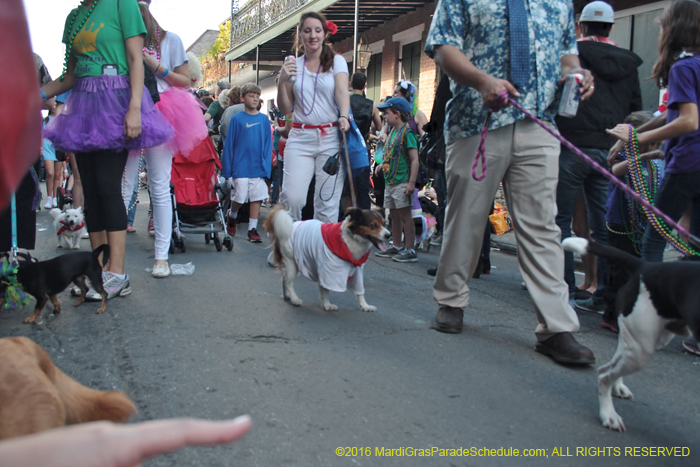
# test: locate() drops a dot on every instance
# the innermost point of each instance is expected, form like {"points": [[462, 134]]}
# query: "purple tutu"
{"points": [[93, 118]]}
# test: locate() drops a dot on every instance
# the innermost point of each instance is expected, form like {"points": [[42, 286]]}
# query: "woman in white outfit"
{"points": [[165, 56], [320, 101]]}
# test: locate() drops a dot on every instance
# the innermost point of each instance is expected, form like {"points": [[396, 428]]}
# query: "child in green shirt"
{"points": [[400, 168]]}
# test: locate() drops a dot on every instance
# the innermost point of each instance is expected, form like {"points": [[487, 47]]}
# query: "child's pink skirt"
{"points": [[181, 109]]}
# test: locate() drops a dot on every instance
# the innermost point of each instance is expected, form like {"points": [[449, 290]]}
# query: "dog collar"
{"points": [[333, 236], [65, 227]]}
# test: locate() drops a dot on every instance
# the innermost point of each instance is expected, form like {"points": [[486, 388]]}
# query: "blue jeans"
{"points": [[277, 174], [575, 174], [440, 185], [677, 192], [131, 213]]}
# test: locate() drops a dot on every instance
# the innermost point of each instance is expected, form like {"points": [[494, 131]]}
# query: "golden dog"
{"points": [[35, 395]]}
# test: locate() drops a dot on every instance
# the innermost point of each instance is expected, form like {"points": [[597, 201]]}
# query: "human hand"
{"points": [[382, 137], [617, 148], [105, 444], [229, 183], [655, 154], [410, 187], [621, 131], [585, 87], [132, 123], [343, 124], [288, 70], [491, 89], [150, 61]]}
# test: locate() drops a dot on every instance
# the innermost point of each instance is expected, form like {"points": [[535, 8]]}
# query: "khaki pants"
{"points": [[526, 159]]}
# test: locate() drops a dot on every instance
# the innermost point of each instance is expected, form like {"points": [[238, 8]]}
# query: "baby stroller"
{"points": [[195, 193]]}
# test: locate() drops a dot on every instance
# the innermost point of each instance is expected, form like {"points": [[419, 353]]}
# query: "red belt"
{"points": [[315, 127]]}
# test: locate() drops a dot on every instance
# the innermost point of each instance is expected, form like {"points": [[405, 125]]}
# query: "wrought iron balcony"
{"points": [[256, 15]]}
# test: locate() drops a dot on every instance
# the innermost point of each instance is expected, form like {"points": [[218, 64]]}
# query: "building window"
{"points": [[374, 78], [410, 62]]}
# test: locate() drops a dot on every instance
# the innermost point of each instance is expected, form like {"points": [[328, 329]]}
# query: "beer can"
{"points": [[287, 59], [570, 95]]}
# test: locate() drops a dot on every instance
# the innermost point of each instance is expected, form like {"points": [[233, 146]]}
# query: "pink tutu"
{"points": [[182, 111]]}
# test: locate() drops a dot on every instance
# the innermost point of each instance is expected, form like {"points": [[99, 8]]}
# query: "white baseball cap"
{"points": [[599, 12]]}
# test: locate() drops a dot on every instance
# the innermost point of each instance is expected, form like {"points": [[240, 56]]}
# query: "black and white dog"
{"points": [[660, 300], [331, 254]]}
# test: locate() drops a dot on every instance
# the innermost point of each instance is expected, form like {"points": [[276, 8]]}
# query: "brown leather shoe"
{"points": [[563, 348], [449, 319]]}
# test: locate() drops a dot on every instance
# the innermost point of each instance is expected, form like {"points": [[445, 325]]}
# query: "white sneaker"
{"points": [[54, 202], [48, 204], [161, 270]]}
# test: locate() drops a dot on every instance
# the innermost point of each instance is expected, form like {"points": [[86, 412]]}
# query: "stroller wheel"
{"points": [[172, 246], [228, 242], [183, 244], [60, 198], [217, 243], [207, 238]]}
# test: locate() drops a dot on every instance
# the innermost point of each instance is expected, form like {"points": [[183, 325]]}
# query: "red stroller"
{"points": [[196, 203]]}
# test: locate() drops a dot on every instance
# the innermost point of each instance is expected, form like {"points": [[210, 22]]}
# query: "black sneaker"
{"points": [[590, 305], [406, 256], [390, 252], [253, 236], [691, 346]]}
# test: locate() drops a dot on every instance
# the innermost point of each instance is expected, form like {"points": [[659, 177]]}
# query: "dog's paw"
{"points": [[612, 421], [369, 308], [31, 319], [622, 391], [330, 307], [295, 301]]}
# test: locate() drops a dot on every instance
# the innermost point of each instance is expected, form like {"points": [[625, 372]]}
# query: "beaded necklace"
{"points": [[635, 174], [154, 50], [631, 211], [313, 102], [392, 155], [69, 45]]}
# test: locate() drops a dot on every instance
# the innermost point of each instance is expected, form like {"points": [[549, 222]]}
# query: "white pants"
{"points": [[159, 161], [305, 154]]}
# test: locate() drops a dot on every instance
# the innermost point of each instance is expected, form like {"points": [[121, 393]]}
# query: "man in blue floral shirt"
{"points": [[470, 41]]}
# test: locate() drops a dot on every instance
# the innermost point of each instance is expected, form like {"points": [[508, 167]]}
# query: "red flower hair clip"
{"points": [[332, 27]]}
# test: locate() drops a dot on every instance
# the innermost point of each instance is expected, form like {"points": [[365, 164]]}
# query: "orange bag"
{"points": [[500, 222]]}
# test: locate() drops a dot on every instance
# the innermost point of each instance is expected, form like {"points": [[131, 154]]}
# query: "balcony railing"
{"points": [[256, 15]]}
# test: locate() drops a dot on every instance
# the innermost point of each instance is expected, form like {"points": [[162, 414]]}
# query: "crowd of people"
{"points": [[147, 113], [129, 98]]}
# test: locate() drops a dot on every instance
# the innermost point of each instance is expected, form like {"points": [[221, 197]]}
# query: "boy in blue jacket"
{"points": [[247, 160]]}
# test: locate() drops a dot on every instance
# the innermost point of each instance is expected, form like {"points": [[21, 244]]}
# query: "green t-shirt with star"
{"points": [[101, 39]]}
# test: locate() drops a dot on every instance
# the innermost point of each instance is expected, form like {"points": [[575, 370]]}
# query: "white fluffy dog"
{"points": [[69, 226]]}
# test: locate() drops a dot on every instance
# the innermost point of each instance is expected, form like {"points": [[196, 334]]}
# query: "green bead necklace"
{"points": [[392, 154], [69, 45], [635, 172]]}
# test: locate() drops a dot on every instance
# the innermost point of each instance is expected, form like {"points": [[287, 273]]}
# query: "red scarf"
{"points": [[333, 236], [65, 227]]}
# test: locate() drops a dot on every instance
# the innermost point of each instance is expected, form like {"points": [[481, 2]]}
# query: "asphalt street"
{"points": [[370, 386]]}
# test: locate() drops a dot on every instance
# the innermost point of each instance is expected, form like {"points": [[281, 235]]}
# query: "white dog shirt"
{"points": [[318, 263]]}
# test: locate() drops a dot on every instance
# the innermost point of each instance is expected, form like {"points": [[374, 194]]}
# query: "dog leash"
{"points": [[14, 262], [13, 293], [504, 99], [349, 171]]}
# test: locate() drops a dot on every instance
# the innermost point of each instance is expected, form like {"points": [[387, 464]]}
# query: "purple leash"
{"points": [[504, 98]]}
